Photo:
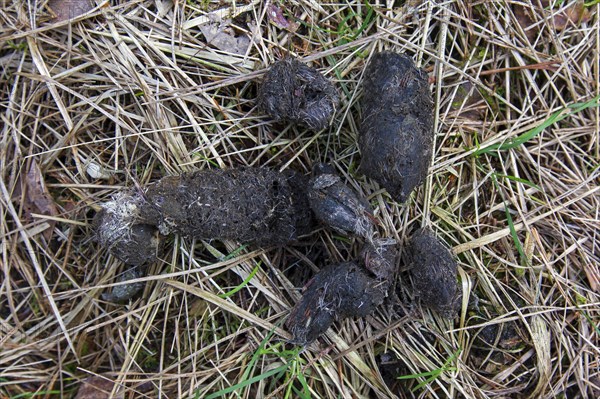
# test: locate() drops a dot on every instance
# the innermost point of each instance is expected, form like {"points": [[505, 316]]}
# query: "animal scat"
{"points": [[338, 206], [338, 291], [396, 129], [254, 205], [119, 228], [349, 289], [434, 272], [293, 92], [124, 292], [379, 257]]}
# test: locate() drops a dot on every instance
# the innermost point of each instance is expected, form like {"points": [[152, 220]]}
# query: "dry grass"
{"points": [[131, 92]]}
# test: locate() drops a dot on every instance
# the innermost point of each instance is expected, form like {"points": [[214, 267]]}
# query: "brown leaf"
{"points": [[36, 198], [574, 15], [219, 34], [37, 192], [571, 16], [69, 9], [524, 16], [276, 17], [98, 387]]}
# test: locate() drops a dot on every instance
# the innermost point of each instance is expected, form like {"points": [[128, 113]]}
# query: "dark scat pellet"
{"points": [[434, 272], [380, 258], [503, 335], [124, 292], [338, 206], [396, 130], [293, 92], [253, 205], [336, 292]]}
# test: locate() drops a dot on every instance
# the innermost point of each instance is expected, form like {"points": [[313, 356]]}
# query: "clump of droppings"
{"points": [[119, 228], [336, 292], [338, 206], [434, 272], [396, 130], [292, 91], [124, 292], [255, 205]]}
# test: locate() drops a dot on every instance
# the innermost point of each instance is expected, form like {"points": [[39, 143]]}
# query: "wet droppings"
{"points": [[124, 292], [250, 205], [292, 91], [119, 228], [338, 206], [434, 272], [396, 130], [380, 258], [338, 291]]}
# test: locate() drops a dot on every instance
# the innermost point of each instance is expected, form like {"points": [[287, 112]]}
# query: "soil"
{"points": [[119, 229], [250, 205], [434, 273], [294, 92], [338, 206], [336, 292], [396, 130], [391, 367]]}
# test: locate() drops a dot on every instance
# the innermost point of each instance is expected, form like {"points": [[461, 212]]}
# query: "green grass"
{"points": [[243, 284], [428, 376], [511, 225], [556, 117], [290, 371], [35, 394]]}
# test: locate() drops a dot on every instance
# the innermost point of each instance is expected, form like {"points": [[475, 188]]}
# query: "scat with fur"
{"points": [[349, 289], [118, 227], [250, 205], [396, 130], [292, 91], [338, 206], [338, 291], [434, 272]]}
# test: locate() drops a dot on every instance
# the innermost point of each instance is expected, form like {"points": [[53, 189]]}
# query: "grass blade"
{"points": [[247, 382], [554, 118], [243, 284]]}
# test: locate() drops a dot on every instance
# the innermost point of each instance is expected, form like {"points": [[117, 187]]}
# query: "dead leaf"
{"points": [[69, 9], [98, 387], [469, 102], [37, 192], [163, 7], [572, 15], [35, 197], [525, 18], [276, 17], [218, 33]]}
